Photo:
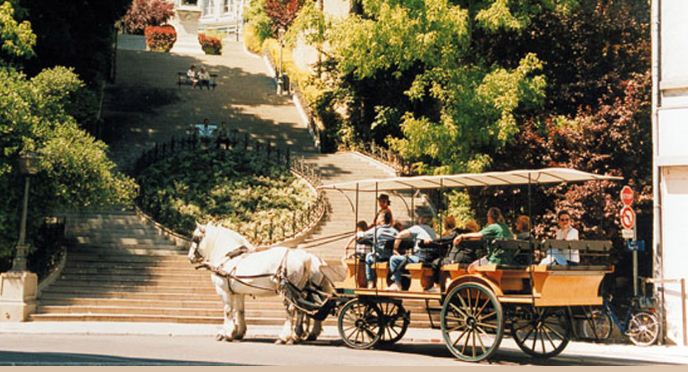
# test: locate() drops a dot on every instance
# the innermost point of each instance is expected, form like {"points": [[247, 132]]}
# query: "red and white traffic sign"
{"points": [[627, 196], [627, 217]]}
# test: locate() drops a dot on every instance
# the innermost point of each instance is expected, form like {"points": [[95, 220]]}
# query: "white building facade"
{"points": [[670, 159]]}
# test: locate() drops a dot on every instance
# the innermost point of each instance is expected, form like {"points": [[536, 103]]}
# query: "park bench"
{"points": [[183, 79]]}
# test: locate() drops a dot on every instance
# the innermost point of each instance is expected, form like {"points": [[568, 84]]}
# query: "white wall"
{"points": [[671, 154]]}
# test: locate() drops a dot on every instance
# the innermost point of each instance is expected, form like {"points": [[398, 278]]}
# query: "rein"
{"points": [[279, 274]]}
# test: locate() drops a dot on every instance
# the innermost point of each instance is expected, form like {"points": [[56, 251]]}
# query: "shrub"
{"points": [[235, 188], [210, 44], [160, 38], [143, 13]]}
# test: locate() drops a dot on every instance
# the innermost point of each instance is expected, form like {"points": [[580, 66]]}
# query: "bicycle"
{"points": [[639, 323]]}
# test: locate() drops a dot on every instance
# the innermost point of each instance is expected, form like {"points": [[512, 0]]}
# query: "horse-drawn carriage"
{"points": [[534, 303]]}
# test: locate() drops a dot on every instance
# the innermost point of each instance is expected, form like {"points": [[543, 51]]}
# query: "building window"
{"points": [[228, 6], [190, 2]]}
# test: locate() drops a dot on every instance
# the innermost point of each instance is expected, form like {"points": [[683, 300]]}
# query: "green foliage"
{"points": [[256, 18], [458, 106], [75, 172], [238, 189], [17, 39]]}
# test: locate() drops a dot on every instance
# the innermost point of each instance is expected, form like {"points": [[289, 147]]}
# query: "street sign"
{"points": [[636, 245], [627, 233], [626, 195], [627, 217]]}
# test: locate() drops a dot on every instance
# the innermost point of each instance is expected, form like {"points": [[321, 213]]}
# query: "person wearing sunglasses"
{"points": [[564, 232]]}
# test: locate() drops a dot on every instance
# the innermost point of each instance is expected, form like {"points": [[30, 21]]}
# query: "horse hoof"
{"points": [[290, 342], [279, 342], [312, 338], [219, 338]]}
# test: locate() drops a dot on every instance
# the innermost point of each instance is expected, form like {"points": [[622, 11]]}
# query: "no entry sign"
{"points": [[627, 217], [627, 196]]}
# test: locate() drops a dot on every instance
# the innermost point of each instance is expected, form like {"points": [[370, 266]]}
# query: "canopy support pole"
{"points": [[530, 211], [356, 209], [413, 207], [439, 204]]}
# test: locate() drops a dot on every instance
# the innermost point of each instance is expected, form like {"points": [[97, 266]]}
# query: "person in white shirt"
{"points": [[419, 233], [204, 78], [191, 74], [564, 232]]}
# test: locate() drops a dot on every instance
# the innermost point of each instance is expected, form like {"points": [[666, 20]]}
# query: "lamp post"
{"points": [[28, 166], [280, 80]]}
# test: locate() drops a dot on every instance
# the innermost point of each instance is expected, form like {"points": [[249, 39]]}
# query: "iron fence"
{"points": [[266, 232]]}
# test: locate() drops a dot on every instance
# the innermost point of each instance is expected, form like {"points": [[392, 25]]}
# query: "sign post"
{"points": [[628, 222]]}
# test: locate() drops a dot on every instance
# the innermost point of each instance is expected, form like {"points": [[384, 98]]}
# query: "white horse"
{"points": [[239, 270]]}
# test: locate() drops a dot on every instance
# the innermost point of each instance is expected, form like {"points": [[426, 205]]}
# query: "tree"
{"points": [[282, 12], [459, 107], [17, 39], [144, 13], [74, 171]]}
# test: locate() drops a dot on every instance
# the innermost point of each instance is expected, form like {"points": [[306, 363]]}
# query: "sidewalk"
{"points": [[652, 354]]}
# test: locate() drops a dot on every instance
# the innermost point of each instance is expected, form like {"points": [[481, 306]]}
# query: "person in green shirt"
{"points": [[496, 229]]}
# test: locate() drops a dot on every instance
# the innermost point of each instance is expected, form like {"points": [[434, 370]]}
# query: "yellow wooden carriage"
{"points": [[532, 301]]}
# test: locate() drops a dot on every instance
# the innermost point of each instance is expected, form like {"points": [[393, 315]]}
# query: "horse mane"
{"points": [[221, 240]]}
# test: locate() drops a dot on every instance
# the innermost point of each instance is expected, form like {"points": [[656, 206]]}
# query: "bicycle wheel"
{"points": [[598, 326], [643, 329]]}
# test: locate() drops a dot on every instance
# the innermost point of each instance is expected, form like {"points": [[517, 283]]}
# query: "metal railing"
{"points": [[388, 157], [268, 232]]}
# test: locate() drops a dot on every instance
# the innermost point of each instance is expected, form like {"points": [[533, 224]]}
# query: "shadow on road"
{"points": [[13, 358]]}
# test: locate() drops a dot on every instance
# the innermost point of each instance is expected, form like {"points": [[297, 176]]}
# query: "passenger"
{"points": [[564, 232], [381, 236], [384, 203], [496, 229], [523, 227], [360, 246], [421, 231], [461, 254]]}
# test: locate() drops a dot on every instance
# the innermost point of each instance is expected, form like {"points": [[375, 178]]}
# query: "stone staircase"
{"points": [[120, 268]]}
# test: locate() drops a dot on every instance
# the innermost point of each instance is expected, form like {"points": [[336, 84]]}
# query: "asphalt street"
{"points": [[28, 349]]}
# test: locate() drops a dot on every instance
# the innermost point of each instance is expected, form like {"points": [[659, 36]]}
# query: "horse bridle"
{"points": [[196, 239]]}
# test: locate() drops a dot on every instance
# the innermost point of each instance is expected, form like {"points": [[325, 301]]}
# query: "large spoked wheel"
{"points": [[395, 320], [360, 324], [541, 332], [597, 326], [472, 322], [643, 329]]}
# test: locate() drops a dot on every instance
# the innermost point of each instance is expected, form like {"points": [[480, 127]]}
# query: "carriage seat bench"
{"points": [[421, 276], [183, 79]]}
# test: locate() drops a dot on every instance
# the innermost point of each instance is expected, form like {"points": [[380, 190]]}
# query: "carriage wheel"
{"points": [[643, 329], [597, 326], [541, 332], [395, 320], [360, 324], [472, 322]]}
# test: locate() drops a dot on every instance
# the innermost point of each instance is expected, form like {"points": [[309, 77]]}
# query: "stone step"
{"points": [[141, 250], [150, 271], [106, 257], [90, 230], [83, 287], [66, 294], [121, 241], [137, 280], [117, 234], [146, 273]]}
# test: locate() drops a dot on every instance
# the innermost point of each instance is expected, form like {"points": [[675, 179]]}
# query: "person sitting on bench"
{"points": [[420, 232], [192, 76], [496, 229], [204, 78], [360, 247], [381, 236], [564, 232]]}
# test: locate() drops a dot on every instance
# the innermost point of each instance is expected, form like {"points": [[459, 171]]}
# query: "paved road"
{"points": [[27, 349]]}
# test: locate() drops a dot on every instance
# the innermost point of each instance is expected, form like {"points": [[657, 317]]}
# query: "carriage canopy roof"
{"points": [[510, 178]]}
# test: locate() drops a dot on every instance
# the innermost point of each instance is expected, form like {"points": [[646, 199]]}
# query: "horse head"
{"points": [[197, 249]]}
